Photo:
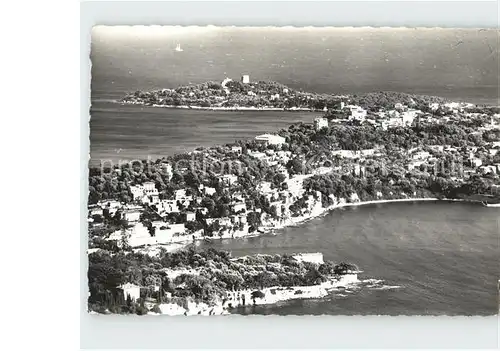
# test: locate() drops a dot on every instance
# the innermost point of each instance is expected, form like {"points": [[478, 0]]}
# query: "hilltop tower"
{"points": [[245, 79]]}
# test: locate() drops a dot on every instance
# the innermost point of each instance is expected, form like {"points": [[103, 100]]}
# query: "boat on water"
{"points": [[178, 48]]}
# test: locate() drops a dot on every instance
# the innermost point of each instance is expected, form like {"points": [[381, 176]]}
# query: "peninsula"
{"points": [[261, 95], [208, 282]]}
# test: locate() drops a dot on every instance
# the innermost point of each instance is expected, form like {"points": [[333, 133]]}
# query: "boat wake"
{"points": [[366, 284], [113, 101]]}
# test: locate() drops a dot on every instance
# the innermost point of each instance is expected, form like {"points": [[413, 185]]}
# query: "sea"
{"points": [[417, 258]]}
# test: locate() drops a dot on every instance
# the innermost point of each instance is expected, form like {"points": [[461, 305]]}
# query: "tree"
{"points": [[97, 218], [192, 179], [344, 268], [209, 204], [156, 309], [273, 211], [295, 166], [124, 241], [177, 178], [258, 294], [278, 179]]}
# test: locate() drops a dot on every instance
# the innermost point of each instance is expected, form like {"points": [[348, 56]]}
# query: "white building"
{"points": [[320, 123], [136, 236], [270, 139], [453, 106], [239, 206], [111, 205], [384, 124], [408, 117], [190, 216], [166, 168], [264, 187], [150, 188], [257, 155], [224, 82], [476, 162], [229, 179], [236, 149], [367, 152], [207, 190], [94, 210], [177, 228], [434, 106], [421, 155], [245, 79], [358, 170], [488, 169], [316, 257], [437, 148], [132, 290], [357, 112], [137, 191], [167, 206], [414, 164], [132, 215], [180, 194], [344, 153], [170, 233]]}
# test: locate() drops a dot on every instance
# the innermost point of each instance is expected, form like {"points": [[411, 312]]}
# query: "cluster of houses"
{"points": [[399, 116], [146, 195], [404, 116]]}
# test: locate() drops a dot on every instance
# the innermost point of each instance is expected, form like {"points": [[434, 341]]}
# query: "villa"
{"points": [[132, 215], [130, 290], [320, 123], [239, 206], [229, 179], [236, 149], [270, 139]]}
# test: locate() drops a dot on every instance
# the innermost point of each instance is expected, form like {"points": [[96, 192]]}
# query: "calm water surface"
{"points": [[417, 258]]}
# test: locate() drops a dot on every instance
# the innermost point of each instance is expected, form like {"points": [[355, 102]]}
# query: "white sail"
{"points": [[178, 48]]}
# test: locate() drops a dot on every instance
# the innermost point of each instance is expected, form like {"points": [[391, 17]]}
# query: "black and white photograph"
{"points": [[293, 171]]}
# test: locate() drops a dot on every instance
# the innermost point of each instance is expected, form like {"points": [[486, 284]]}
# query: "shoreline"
{"points": [[326, 210], [220, 108], [293, 222], [271, 295]]}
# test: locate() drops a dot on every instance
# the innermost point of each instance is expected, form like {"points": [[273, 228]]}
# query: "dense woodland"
{"points": [[271, 94]]}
